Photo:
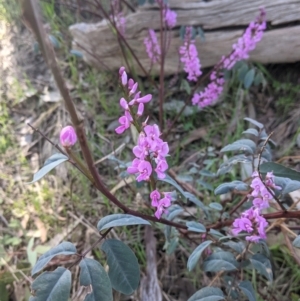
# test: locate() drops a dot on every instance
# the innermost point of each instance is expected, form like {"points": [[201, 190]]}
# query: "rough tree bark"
{"points": [[223, 22]]}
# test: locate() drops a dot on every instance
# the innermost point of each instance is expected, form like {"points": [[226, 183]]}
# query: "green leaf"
{"points": [[234, 185], [194, 257], [116, 220], [252, 132], [245, 145], [242, 71], [254, 122], [93, 274], [227, 166], [170, 181], [50, 286], [201, 33], [249, 77], [124, 271], [247, 288], [76, 53], [185, 86], [196, 227], [262, 264], [220, 261], [290, 185], [192, 198], [174, 211], [296, 242], [239, 247], [31, 254], [216, 234], [280, 170], [216, 206], [65, 248], [182, 32], [258, 79], [49, 164], [208, 294]]}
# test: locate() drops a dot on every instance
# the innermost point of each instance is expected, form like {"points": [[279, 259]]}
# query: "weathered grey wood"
{"points": [[279, 45]]}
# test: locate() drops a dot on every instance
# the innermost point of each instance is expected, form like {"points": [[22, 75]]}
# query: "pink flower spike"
{"points": [[140, 110], [152, 47], [154, 196], [68, 136], [170, 17], [145, 170]]}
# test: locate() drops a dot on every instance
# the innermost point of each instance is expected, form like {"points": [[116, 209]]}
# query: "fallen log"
{"points": [[223, 22]]}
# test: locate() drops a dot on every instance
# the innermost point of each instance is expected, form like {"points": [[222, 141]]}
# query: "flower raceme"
{"points": [[251, 221], [252, 35], [151, 151], [68, 136], [189, 57], [152, 48]]}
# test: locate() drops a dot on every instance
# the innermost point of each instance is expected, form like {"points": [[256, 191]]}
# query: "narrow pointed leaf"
{"points": [[216, 206], [208, 294], [194, 257], [252, 132], [93, 274], [220, 261], [280, 171], [234, 185], [239, 247], [65, 248], [247, 288], [262, 264], [115, 220], [172, 182], [124, 271], [196, 227], [254, 122], [249, 78], [51, 286], [49, 164]]}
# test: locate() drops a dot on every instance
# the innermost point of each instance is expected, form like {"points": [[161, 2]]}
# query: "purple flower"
{"points": [[160, 169], [145, 170], [125, 122], [68, 136], [189, 57], [154, 196], [162, 205], [152, 47], [170, 17], [252, 35], [242, 224], [134, 168]]}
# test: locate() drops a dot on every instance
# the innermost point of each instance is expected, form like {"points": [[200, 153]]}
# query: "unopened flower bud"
{"points": [[68, 136], [121, 70]]}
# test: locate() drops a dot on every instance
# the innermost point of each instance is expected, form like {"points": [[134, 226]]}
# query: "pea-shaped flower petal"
{"points": [[68, 136]]}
